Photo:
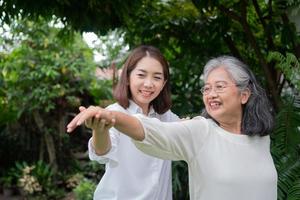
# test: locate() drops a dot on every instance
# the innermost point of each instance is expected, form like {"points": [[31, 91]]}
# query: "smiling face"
{"points": [[146, 81], [225, 105]]}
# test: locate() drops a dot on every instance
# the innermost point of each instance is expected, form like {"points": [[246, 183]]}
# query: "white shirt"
{"points": [[222, 165], [130, 174]]}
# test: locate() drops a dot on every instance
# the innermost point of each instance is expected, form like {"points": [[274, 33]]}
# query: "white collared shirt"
{"points": [[131, 174]]}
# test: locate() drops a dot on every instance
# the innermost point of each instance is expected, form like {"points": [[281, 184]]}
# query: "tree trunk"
{"points": [[48, 139]]}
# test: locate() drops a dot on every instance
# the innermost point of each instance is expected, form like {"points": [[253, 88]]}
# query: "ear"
{"points": [[245, 96]]}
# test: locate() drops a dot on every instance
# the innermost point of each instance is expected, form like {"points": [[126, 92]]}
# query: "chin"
{"points": [[214, 114], [145, 101]]}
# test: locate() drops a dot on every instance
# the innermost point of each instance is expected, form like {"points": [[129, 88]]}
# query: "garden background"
{"points": [[48, 70]]}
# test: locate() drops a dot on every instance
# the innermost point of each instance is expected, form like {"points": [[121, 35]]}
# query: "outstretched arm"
{"points": [[125, 123], [101, 139]]}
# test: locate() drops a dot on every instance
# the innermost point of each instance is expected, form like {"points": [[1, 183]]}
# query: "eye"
{"points": [[206, 89], [220, 87], [157, 78], [140, 75]]}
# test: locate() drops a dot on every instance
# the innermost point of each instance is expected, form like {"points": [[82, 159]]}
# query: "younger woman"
{"points": [[130, 174]]}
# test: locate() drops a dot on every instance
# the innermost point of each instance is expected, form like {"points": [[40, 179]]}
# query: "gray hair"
{"points": [[257, 112]]}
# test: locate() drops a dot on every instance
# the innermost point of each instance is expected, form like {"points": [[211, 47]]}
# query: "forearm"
{"points": [[101, 142], [129, 125]]}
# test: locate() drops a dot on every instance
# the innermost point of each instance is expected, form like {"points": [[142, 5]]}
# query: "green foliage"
{"points": [[285, 150], [289, 65], [36, 180], [12, 176], [6, 181], [94, 15], [112, 47], [42, 69], [43, 78], [85, 190], [32, 179], [180, 180], [101, 90]]}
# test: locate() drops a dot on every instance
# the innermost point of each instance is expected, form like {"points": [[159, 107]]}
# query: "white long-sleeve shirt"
{"points": [[130, 174], [222, 165]]}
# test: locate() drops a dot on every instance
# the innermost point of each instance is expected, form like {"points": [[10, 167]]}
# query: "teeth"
{"points": [[146, 93], [214, 104]]}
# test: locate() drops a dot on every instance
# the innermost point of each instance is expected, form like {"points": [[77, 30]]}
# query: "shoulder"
{"points": [[199, 124], [208, 122], [116, 107], [169, 116]]}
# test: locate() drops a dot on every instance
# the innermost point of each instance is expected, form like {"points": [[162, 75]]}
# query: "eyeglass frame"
{"points": [[221, 90]]}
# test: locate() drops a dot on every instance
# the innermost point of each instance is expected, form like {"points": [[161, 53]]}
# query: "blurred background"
{"points": [[58, 55]]}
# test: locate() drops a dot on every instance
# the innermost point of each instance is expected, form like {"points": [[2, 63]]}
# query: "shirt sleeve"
{"points": [[179, 140], [111, 157]]}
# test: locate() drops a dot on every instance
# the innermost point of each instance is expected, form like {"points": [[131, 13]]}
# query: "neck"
{"points": [[145, 111], [233, 126]]}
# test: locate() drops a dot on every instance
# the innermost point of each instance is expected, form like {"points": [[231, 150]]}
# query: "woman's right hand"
{"points": [[98, 125], [94, 117]]}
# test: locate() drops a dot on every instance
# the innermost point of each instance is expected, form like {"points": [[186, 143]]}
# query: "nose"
{"points": [[148, 82], [212, 93]]}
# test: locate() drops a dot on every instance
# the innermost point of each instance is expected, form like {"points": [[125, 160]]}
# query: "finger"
{"points": [[82, 108], [72, 125], [98, 114], [112, 123], [104, 114], [102, 124], [84, 114], [88, 113], [88, 122]]}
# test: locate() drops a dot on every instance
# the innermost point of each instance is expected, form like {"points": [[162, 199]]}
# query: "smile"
{"points": [[146, 93], [214, 104]]}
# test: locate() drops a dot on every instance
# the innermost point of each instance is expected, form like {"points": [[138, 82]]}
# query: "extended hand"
{"points": [[94, 117]]}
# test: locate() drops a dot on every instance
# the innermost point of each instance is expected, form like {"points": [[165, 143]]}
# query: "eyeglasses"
{"points": [[218, 88]]}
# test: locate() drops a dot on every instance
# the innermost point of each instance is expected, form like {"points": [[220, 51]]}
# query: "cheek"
{"points": [[159, 86], [204, 99], [132, 86]]}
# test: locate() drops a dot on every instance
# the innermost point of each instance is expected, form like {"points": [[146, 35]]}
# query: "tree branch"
{"points": [[251, 38], [270, 42], [296, 46], [235, 52]]}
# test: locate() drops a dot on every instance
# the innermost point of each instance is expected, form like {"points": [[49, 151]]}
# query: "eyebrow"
{"points": [[224, 82]]}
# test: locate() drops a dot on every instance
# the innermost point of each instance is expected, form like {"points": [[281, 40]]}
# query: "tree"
{"points": [[89, 15], [43, 78], [249, 30]]}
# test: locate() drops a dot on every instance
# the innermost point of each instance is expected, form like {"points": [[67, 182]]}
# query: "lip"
{"points": [[214, 105], [146, 93]]}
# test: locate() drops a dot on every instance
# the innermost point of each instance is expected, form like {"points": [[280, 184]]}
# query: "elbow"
{"points": [[140, 134], [139, 138]]}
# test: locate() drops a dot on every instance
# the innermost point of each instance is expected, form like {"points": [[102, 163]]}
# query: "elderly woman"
{"points": [[227, 149]]}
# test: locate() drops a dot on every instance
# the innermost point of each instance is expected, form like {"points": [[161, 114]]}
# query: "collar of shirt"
{"points": [[134, 109]]}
